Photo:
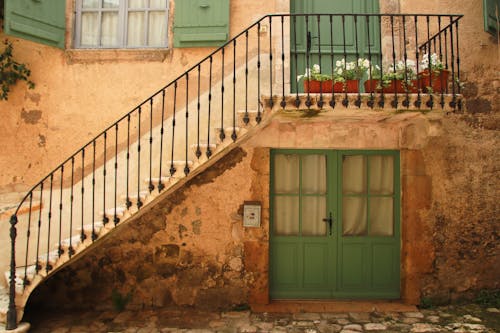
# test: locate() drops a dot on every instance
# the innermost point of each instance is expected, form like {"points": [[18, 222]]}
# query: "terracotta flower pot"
{"points": [[439, 80], [371, 85], [313, 86]]}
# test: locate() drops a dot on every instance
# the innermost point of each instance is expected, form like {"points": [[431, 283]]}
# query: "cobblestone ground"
{"points": [[464, 318]]}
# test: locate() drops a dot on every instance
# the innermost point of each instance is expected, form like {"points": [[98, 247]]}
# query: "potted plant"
{"points": [[399, 77], [351, 72], [315, 81], [434, 75]]}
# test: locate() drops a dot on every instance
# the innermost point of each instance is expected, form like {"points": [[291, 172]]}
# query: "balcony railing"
{"points": [[150, 145]]}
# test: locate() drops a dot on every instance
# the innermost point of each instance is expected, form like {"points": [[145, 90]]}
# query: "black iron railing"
{"points": [[149, 147]]}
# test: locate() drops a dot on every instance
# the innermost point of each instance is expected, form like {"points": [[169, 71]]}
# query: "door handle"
{"points": [[309, 41], [329, 220]]}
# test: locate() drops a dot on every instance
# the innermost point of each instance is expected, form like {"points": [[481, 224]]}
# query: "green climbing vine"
{"points": [[11, 71]]}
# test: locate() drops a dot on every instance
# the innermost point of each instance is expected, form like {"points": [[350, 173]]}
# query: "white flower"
{"points": [[316, 68], [338, 63]]}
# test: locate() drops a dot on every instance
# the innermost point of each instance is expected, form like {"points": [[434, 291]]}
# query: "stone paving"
{"points": [[470, 318]]}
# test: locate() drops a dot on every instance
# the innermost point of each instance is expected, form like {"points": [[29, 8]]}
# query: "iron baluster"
{"points": [[320, 101], [60, 250], [370, 102], [186, 167], [105, 218], [258, 118], [418, 101], [441, 102], [160, 183], [297, 99], [283, 100], [12, 311], [332, 100], [128, 203], [71, 251], [453, 103], [94, 234], [381, 101], [209, 151], [172, 167], [233, 135], [394, 102], [82, 234], [246, 119], [358, 99], [222, 135], [139, 202], [271, 103], [48, 267], [38, 267], [408, 83], [26, 281], [430, 102], [150, 185], [457, 80], [198, 105], [115, 217], [345, 101], [308, 63]]}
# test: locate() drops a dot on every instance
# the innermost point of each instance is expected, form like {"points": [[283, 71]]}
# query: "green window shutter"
{"points": [[41, 21], [201, 23], [491, 10]]}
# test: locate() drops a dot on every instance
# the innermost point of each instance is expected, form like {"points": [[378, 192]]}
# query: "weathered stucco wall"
{"points": [[79, 93], [191, 248]]}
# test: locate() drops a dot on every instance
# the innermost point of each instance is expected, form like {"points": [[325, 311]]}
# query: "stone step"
{"points": [[87, 228]]}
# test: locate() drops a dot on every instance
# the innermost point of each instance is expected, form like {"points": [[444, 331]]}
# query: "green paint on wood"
{"points": [[40, 21]]}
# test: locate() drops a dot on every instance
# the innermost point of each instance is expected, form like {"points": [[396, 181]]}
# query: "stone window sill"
{"points": [[81, 56]]}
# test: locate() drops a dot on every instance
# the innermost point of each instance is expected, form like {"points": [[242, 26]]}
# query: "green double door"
{"points": [[309, 40], [335, 225]]}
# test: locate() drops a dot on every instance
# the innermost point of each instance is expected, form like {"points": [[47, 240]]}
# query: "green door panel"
{"points": [[40, 21], [334, 263], [201, 23], [326, 35]]}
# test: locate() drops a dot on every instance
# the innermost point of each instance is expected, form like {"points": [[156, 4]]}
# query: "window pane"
{"points": [[157, 3], [381, 174], [135, 35], [313, 213], [354, 216], [354, 174], [109, 29], [111, 3], [137, 3], [286, 216], [90, 29], [157, 34], [381, 217], [90, 3], [286, 173], [314, 174]]}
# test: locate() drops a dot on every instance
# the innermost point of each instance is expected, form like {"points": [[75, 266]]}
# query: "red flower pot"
{"points": [[371, 85], [312, 86], [439, 80]]}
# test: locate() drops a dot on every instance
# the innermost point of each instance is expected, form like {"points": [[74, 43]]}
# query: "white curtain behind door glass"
{"points": [[313, 207], [314, 174], [286, 205], [286, 173], [354, 209], [381, 182]]}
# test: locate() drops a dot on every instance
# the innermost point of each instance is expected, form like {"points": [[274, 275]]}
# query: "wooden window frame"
{"points": [[123, 11]]}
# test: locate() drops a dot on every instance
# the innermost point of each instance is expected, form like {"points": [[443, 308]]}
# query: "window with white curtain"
{"points": [[121, 23]]}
